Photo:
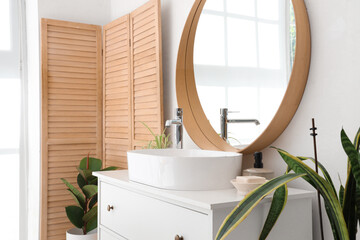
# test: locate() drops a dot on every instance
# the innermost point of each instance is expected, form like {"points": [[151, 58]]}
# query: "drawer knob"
{"points": [[177, 237], [109, 208]]}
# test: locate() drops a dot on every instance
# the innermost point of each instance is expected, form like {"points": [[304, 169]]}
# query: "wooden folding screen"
{"points": [[71, 114], [117, 92], [146, 54], [94, 107], [132, 86]]}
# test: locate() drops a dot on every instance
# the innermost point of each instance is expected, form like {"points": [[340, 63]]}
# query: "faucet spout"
{"points": [[224, 121], [173, 122]]}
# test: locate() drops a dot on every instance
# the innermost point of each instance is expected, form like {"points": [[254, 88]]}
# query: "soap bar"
{"points": [[250, 179]]}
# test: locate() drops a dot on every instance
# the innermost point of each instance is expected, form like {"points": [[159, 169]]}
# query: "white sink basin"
{"points": [[177, 169]]}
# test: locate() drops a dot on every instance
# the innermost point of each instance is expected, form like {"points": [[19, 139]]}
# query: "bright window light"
{"points": [[10, 107], [268, 9], [269, 47], [241, 47], [210, 41], [242, 7], [214, 5], [5, 39]]}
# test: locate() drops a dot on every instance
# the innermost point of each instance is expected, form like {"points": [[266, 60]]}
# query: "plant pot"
{"points": [[77, 234]]}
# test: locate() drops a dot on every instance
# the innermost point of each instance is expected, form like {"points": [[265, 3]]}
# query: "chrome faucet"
{"points": [[224, 122], [178, 121]]}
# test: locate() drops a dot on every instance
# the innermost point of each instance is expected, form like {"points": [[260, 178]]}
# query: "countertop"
{"points": [[202, 201]]}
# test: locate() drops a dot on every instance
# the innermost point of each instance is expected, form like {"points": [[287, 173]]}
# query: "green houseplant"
{"points": [[160, 141], [343, 209], [83, 215]]}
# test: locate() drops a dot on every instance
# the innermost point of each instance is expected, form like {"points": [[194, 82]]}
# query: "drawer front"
{"points": [[105, 235], [135, 216]]}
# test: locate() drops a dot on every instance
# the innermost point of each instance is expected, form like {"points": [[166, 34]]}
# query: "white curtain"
{"points": [[10, 121], [19, 120]]}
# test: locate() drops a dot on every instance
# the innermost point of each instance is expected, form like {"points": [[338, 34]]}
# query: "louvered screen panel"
{"points": [[71, 114], [117, 92], [147, 72]]}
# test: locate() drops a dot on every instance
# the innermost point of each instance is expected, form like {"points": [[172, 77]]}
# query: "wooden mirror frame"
{"points": [[195, 120]]}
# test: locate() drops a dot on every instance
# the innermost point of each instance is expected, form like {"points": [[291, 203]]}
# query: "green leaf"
{"points": [[349, 205], [86, 174], [75, 215], [358, 203], [357, 145], [94, 164], [93, 181], [243, 209], [353, 155], [341, 195], [148, 128], [76, 199], [93, 201], [91, 225], [277, 205], [90, 190], [90, 214], [81, 181], [76, 192], [109, 169], [323, 170], [334, 210]]}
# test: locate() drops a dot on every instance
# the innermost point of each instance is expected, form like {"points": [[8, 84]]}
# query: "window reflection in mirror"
{"points": [[243, 57]]}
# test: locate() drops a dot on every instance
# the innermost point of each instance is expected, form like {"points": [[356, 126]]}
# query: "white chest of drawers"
{"points": [[133, 211]]}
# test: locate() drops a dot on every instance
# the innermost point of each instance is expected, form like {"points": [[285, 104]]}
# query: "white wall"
{"points": [[332, 90], [84, 11]]}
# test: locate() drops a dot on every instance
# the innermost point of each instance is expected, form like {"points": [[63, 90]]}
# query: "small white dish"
{"points": [[244, 187]]}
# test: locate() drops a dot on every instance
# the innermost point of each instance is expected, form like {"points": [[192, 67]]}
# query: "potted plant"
{"points": [[159, 142], [83, 215], [343, 209]]}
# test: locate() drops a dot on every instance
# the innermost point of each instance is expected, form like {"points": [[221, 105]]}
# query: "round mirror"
{"points": [[241, 72], [243, 57]]}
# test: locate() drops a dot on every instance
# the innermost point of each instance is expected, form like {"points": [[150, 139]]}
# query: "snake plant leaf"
{"points": [[75, 215], [358, 203], [322, 169], [94, 164], [341, 195], [351, 202], [243, 209], [76, 192], [349, 205], [91, 225], [357, 145], [90, 190], [90, 214], [277, 206], [353, 155], [334, 210]]}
